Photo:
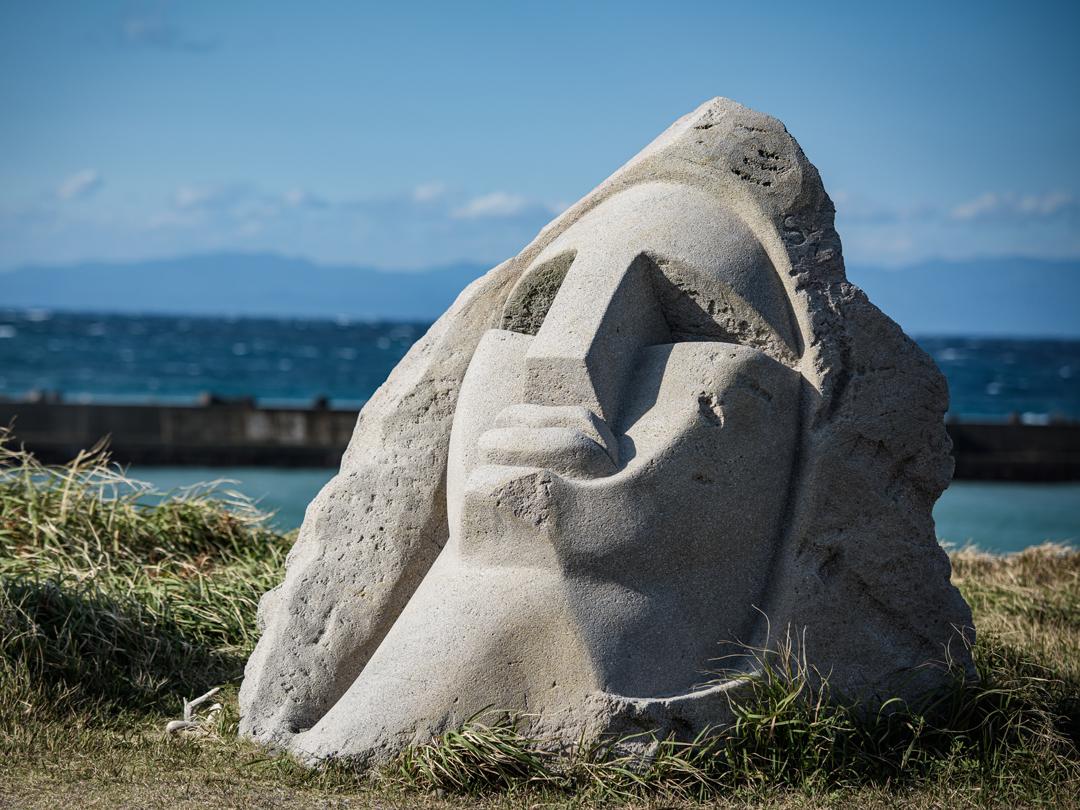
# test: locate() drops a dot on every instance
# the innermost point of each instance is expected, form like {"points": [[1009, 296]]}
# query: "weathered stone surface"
{"points": [[667, 431]]}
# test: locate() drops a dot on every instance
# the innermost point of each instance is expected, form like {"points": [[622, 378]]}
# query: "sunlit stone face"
{"points": [[608, 462], [632, 428]]}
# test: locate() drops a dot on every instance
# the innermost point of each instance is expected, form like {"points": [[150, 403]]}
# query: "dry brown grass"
{"points": [[1029, 603], [1026, 607], [85, 628]]}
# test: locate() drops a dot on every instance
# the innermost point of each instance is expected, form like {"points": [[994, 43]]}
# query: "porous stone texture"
{"points": [[666, 433]]}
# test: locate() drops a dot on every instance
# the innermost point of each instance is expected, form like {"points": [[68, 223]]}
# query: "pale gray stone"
{"points": [[668, 432]]}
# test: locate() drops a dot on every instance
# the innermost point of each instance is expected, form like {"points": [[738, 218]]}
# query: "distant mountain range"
{"points": [[259, 284], [1013, 296]]}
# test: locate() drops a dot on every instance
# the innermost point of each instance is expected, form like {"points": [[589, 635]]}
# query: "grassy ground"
{"points": [[113, 610]]}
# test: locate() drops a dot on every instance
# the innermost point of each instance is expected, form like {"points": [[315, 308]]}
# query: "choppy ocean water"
{"points": [[167, 358], [110, 358]]}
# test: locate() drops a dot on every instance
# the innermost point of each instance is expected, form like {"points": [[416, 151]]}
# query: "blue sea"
{"points": [[115, 358]]}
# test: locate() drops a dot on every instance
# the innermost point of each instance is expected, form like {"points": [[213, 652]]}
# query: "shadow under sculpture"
{"points": [[664, 433]]}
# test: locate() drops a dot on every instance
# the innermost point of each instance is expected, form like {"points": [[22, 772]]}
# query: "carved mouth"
{"points": [[570, 440]]}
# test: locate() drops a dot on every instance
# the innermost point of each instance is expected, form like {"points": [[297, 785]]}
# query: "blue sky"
{"points": [[412, 134]]}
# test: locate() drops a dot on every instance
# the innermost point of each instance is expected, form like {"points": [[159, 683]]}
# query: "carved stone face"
{"points": [[632, 427], [671, 433], [618, 474]]}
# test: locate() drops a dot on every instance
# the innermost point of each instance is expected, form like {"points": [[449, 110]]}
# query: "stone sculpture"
{"points": [[665, 430]]}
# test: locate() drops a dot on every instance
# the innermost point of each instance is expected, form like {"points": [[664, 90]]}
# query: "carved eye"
{"points": [[697, 307], [690, 311], [531, 299]]}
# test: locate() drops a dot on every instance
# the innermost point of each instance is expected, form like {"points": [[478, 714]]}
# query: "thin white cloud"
{"points": [[854, 207], [990, 224], [998, 207], [431, 224], [1014, 206], [153, 30], [973, 209], [235, 197], [80, 185], [214, 207], [301, 198], [190, 197], [428, 192], [496, 205], [404, 230]]}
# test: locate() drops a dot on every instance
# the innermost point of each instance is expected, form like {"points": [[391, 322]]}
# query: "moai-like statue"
{"points": [[668, 431]]}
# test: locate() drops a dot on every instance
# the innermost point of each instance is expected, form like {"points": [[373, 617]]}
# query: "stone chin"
{"points": [[669, 417]]}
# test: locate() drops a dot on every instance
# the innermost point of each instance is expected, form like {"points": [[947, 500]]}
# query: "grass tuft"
{"points": [[791, 731], [115, 597], [117, 602]]}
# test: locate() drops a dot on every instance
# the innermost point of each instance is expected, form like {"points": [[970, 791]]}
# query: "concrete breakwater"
{"points": [[216, 433], [230, 433], [988, 451]]}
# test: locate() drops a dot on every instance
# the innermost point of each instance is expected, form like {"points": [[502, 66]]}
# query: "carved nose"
{"points": [[605, 311]]}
